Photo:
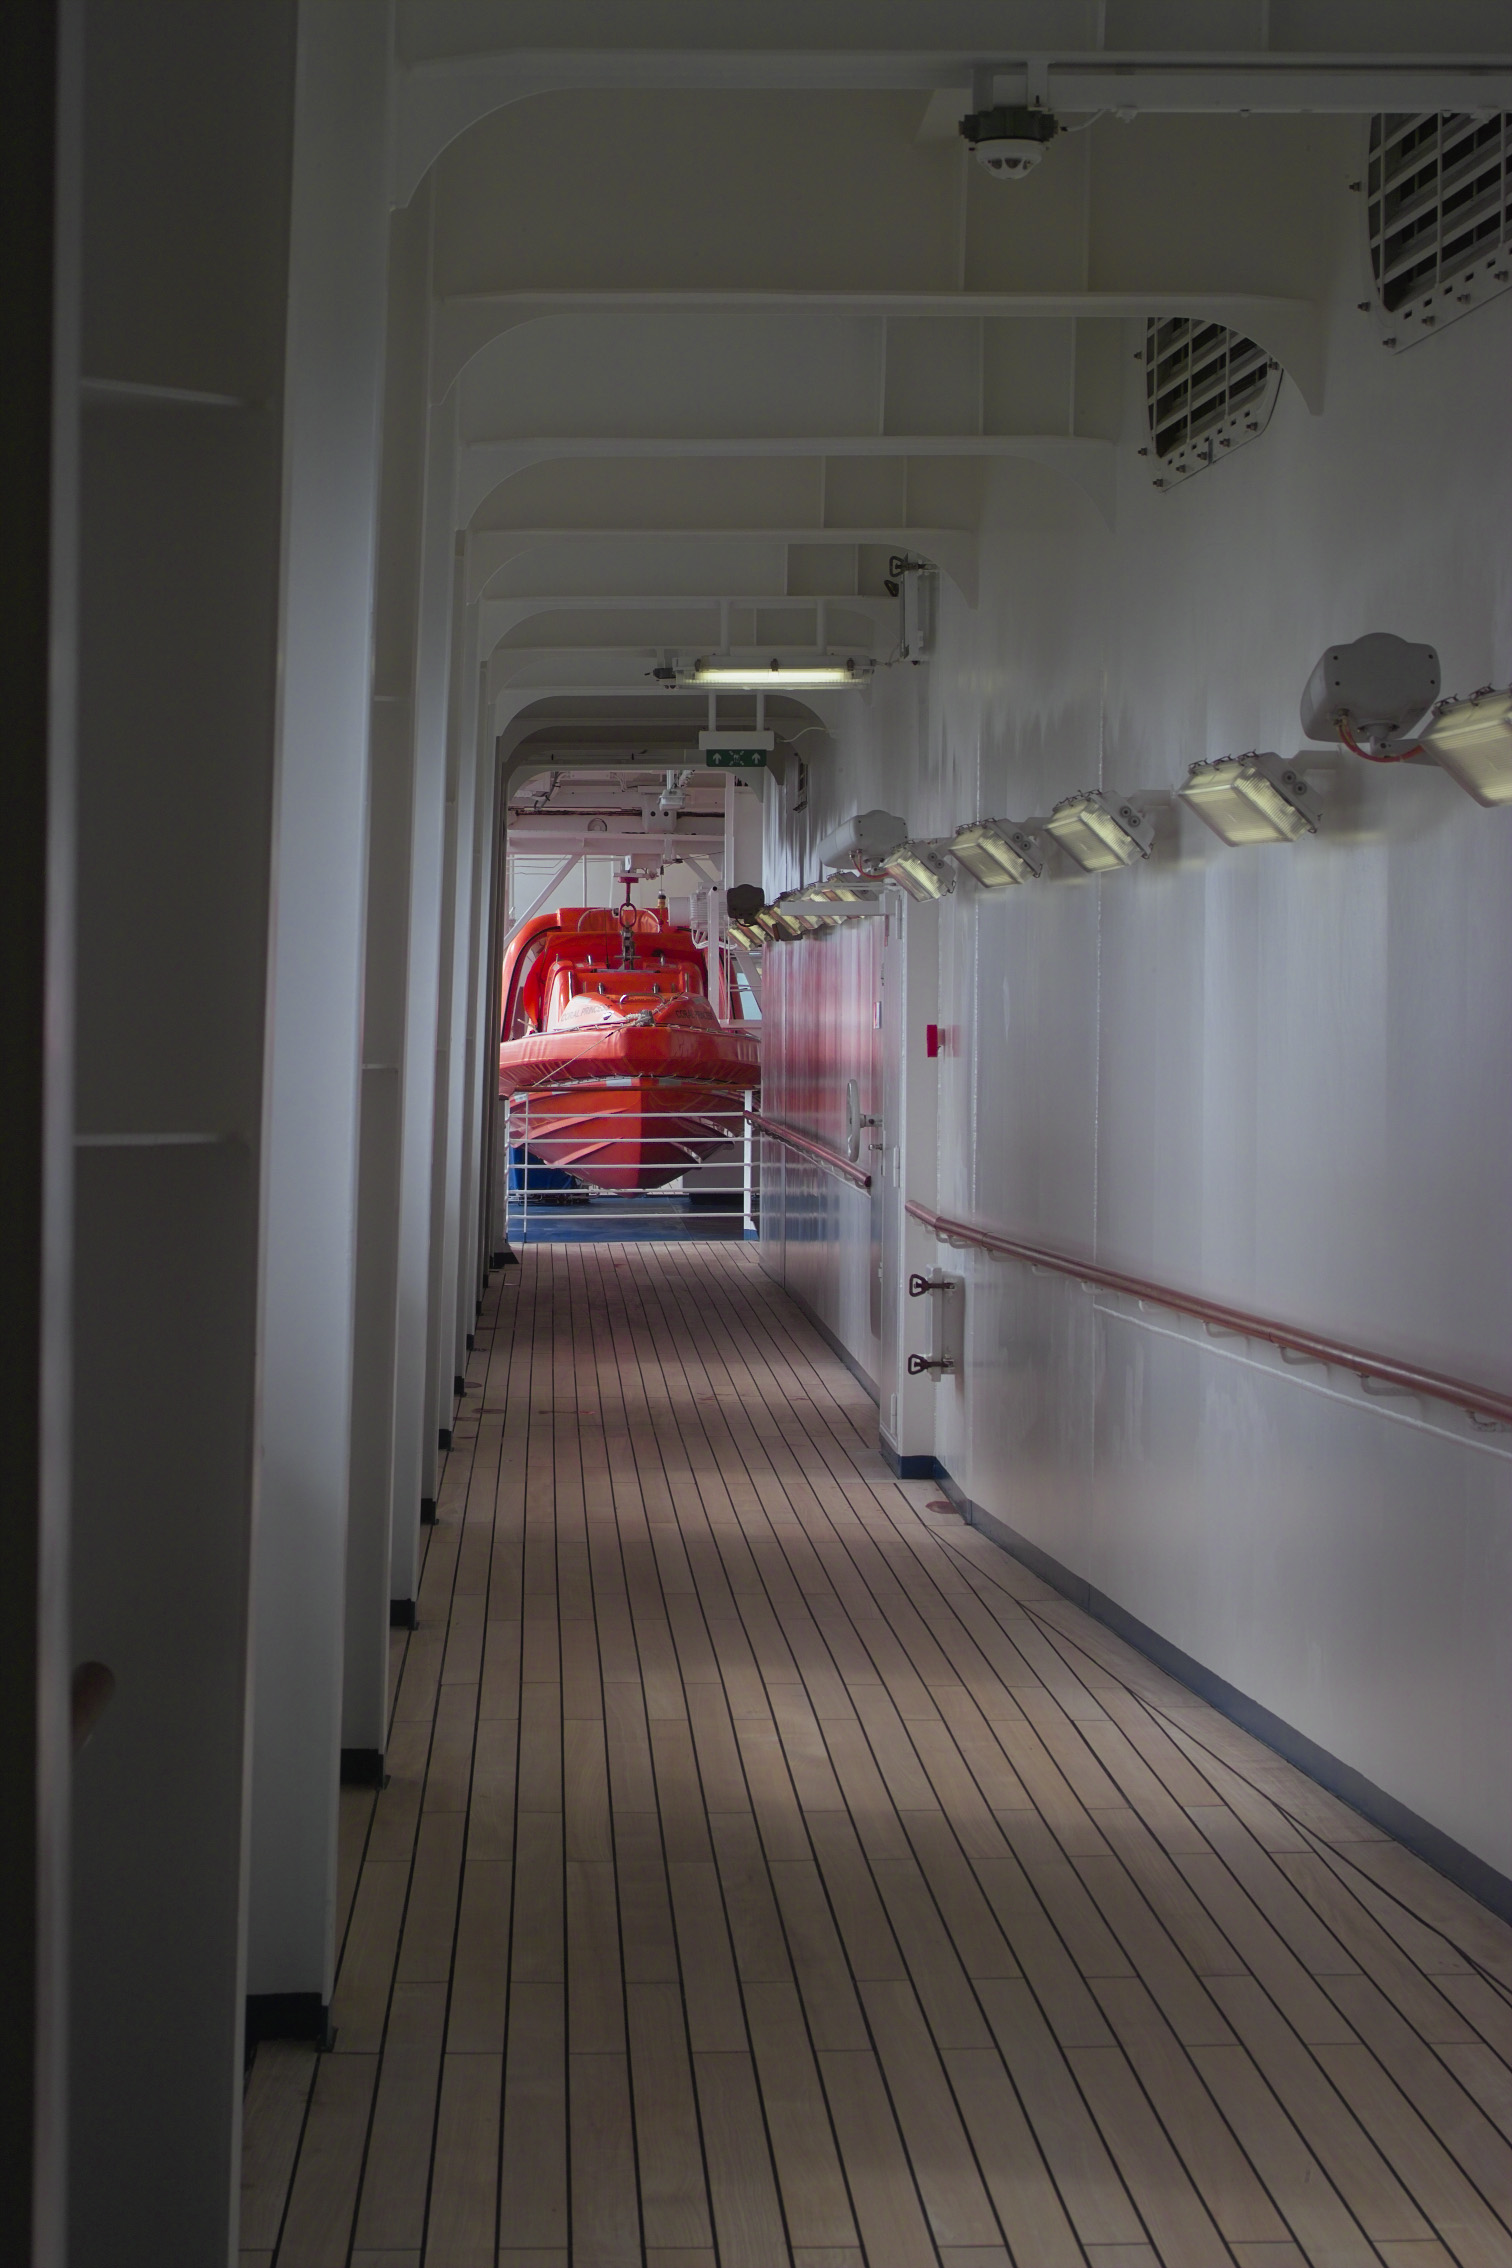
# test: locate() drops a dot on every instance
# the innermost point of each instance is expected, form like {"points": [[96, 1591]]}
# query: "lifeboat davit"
{"points": [[616, 1060]]}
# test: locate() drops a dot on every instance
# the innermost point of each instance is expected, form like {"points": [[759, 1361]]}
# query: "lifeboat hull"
{"points": [[707, 1055], [615, 1066], [635, 1135]]}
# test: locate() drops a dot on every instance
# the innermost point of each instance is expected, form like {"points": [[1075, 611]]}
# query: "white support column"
{"points": [[168, 488], [476, 1018], [496, 1166], [492, 1225], [489, 1226], [364, 1720], [338, 282], [385, 990], [414, 1425], [455, 1002]]}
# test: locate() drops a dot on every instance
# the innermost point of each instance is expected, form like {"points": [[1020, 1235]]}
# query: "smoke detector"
{"points": [[1010, 140]]}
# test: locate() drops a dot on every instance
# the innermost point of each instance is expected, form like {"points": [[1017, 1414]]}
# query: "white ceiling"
{"points": [[723, 313]]}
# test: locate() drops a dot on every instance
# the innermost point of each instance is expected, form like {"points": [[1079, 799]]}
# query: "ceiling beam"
{"points": [[580, 728], [953, 550], [1289, 329], [497, 617], [439, 100], [612, 841], [486, 465]]}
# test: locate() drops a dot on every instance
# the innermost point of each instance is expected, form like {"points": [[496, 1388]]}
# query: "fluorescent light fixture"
{"points": [[763, 677], [916, 869], [1473, 741], [1099, 832], [997, 854], [1251, 799]]}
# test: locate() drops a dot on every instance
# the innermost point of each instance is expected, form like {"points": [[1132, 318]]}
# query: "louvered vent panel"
{"points": [[1439, 193], [1207, 391]]}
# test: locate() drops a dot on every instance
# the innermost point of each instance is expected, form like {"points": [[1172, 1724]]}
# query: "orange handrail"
{"points": [[1484, 1404], [809, 1146]]}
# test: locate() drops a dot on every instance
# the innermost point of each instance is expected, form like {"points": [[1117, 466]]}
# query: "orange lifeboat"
{"points": [[620, 1069]]}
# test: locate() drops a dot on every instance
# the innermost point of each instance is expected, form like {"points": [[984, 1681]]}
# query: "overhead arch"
{"points": [[534, 732]]}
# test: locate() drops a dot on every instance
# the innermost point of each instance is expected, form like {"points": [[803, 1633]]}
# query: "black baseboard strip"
{"points": [[459, 1383], [288, 2016], [427, 1511], [1441, 1851], [363, 1767], [443, 1437], [909, 1468], [402, 1614]]}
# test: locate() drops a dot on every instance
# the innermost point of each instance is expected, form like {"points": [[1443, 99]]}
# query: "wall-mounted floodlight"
{"points": [[1101, 832], [917, 868], [1369, 694], [778, 928], [864, 840], [776, 676], [847, 899], [809, 911], [997, 854], [1252, 799], [831, 906], [1473, 742]]}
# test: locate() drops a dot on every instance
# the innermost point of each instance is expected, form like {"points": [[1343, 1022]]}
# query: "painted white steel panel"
{"points": [[1279, 1078]]}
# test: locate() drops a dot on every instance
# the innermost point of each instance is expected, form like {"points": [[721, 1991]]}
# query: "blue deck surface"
{"points": [[655, 1218]]}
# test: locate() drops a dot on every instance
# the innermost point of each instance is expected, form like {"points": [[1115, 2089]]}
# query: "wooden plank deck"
{"points": [[772, 1871]]}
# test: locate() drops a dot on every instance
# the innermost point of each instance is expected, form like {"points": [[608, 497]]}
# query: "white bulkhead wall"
{"points": [[1278, 1079]]}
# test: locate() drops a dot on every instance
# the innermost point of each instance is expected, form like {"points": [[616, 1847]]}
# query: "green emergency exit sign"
{"points": [[740, 748]]}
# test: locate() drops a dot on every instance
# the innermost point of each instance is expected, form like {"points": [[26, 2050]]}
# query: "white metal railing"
{"points": [[559, 1145]]}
